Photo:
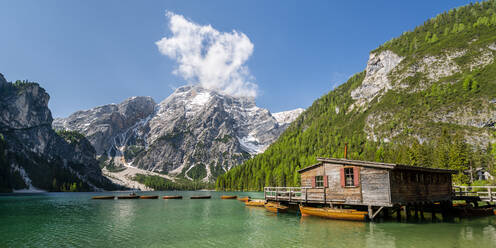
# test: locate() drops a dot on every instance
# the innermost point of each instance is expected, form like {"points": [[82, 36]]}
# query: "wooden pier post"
{"points": [[370, 213], [407, 211], [385, 213], [422, 217], [416, 209], [443, 210], [398, 214], [433, 207]]}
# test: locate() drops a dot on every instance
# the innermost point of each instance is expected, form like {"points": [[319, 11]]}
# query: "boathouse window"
{"points": [[319, 181], [349, 177]]}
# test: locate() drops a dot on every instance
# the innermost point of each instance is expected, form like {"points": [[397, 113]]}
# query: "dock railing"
{"points": [[294, 194], [485, 193]]}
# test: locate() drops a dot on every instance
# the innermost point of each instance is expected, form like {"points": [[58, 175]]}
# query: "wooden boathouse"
{"points": [[368, 186]]}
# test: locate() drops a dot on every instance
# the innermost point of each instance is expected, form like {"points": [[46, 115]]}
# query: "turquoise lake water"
{"points": [[74, 220]]}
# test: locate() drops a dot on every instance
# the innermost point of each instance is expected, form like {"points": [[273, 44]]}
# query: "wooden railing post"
{"points": [[265, 193], [277, 191], [489, 195], [306, 195], [290, 193]]}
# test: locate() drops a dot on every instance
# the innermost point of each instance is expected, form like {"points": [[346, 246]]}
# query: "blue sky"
{"points": [[91, 53]]}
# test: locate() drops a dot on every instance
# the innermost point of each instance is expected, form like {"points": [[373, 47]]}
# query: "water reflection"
{"points": [[378, 237], [75, 220]]}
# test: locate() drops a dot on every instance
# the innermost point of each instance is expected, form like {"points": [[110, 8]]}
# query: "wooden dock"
{"points": [[480, 193], [298, 195]]}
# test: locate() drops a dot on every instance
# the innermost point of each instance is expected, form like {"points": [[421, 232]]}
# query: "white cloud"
{"points": [[205, 56]]}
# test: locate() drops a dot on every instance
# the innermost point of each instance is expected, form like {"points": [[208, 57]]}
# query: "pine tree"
{"points": [[433, 38], [474, 87], [467, 83]]}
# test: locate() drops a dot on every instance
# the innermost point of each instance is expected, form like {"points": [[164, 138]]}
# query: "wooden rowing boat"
{"points": [[149, 197], [228, 197], [337, 214], [103, 197], [123, 197], [201, 197], [276, 207], [244, 199], [255, 203], [172, 197]]}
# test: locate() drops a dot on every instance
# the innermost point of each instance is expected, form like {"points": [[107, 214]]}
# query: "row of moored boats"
{"points": [[274, 207], [135, 196]]}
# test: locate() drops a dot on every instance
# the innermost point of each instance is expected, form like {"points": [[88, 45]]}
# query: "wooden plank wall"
{"points": [[428, 187], [335, 191], [315, 194], [375, 186]]}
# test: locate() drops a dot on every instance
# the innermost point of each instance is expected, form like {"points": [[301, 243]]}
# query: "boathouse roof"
{"points": [[389, 166]]}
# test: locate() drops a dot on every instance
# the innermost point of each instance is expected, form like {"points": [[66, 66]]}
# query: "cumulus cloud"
{"points": [[206, 56]]}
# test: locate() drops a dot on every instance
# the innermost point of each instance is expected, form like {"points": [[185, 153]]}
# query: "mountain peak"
{"points": [[194, 128]]}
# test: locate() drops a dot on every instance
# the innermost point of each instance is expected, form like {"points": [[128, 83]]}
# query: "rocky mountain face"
{"points": [[102, 124], [426, 98], [32, 155], [195, 133]]}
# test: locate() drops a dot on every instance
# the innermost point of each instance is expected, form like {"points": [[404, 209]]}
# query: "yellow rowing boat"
{"points": [[172, 197], [276, 207], [255, 203], [244, 199], [228, 197], [337, 214]]}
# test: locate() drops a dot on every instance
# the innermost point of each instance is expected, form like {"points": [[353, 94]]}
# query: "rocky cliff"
{"points": [[195, 133], [102, 124], [34, 156]]}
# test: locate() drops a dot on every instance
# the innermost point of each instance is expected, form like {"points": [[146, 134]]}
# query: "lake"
{"points": [[75, 220]]}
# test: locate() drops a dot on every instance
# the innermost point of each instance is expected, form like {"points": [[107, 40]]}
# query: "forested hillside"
{"points": [[426, 98]]}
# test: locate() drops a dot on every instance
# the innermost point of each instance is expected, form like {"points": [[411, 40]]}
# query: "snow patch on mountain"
{"points": [[286, 117], [251, 144]]}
